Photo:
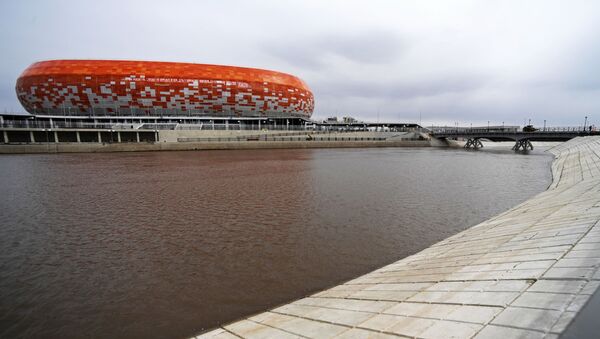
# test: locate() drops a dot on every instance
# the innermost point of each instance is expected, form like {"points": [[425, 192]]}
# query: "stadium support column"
{"points": [[78, 136], [137, 137], [5, 137], [31, 137], [119, 137], [99, 137], [55, 137]]}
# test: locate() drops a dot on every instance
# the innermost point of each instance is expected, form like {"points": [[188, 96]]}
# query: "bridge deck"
{"points": [[497, 135], [524, 273]]}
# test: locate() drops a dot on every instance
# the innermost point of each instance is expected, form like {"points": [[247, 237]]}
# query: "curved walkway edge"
{"points": [[524, 273]]}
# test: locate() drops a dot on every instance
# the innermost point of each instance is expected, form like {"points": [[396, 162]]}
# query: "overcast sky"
{"points": [[446, 61]]}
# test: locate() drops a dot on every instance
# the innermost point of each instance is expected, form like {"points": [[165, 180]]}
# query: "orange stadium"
{"points": [[143, 88]]}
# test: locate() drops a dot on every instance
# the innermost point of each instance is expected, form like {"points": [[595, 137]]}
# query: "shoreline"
{"points": [[195, 146], [503, 277]]}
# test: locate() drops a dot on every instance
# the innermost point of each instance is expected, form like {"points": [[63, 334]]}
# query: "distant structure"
{"points": [[112, 101], [142, 88]]}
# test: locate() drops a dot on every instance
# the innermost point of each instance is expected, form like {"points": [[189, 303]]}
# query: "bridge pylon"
{"points": [[473, 142], [523, 144]]}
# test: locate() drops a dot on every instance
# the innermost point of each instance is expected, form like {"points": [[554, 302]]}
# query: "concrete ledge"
{"points": [[187, 146], [524, 273]]}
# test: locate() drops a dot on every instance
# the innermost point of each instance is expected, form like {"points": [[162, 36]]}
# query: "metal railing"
{"points": [[67, 125], [269, 138], [478, 130]]}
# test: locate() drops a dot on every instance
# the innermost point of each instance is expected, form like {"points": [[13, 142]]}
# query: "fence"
{"points": [[512, 129], [270, 138]]}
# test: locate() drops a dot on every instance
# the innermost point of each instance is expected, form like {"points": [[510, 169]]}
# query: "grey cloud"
{"points": [[399, 89], [366, 47], [584, 72]]}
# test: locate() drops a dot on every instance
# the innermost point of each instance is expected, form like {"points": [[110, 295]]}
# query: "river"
{"points": [[168, 244]]}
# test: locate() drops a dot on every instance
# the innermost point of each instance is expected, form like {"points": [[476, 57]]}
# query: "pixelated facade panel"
{"points": [[106, 87]]}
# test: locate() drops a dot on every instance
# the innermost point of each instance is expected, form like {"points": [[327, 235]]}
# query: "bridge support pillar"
{"points": [[522, 144], [473, 142]]}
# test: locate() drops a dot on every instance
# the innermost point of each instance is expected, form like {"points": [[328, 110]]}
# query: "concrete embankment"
{"points": [[188, 146], [524, 273], [225, 140]]}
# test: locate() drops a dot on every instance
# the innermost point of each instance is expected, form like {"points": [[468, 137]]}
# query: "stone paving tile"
{"points": [[383, 295], [341, 317], [578, 262], [399, 287], [496, 332], [357, 333], [305, 327], [590, 287], [508, 258], [333, 294], [550, 301], [590, 239], [527, 318], [562, 323], [450, 329], [381, 322], [521, 274], [569, 273], [474, 314], [479, 286], [270, 318], [250, 329], [289, 309], [578, 303], [217, 334], [418, 271], [436, 311], [412, 327], [583, 254], [347, 304], [472, 298], [557, 286]]}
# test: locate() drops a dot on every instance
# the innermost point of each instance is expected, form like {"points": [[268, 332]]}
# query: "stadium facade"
{"points": [[111, 88]]}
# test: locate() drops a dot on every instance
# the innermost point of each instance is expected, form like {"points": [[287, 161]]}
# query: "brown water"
{"points": [[165, 245]]}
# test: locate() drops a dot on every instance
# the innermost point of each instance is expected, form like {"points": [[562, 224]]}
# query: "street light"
{"points": [[585, 123]]}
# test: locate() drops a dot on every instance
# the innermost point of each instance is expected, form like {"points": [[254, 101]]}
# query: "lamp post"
{"points": [[585, 123]]}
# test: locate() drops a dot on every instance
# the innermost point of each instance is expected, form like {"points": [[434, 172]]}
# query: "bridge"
{"points": [[521, 138]]}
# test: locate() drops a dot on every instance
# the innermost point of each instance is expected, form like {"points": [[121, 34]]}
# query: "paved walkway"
{"points": [[524, 273]]}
